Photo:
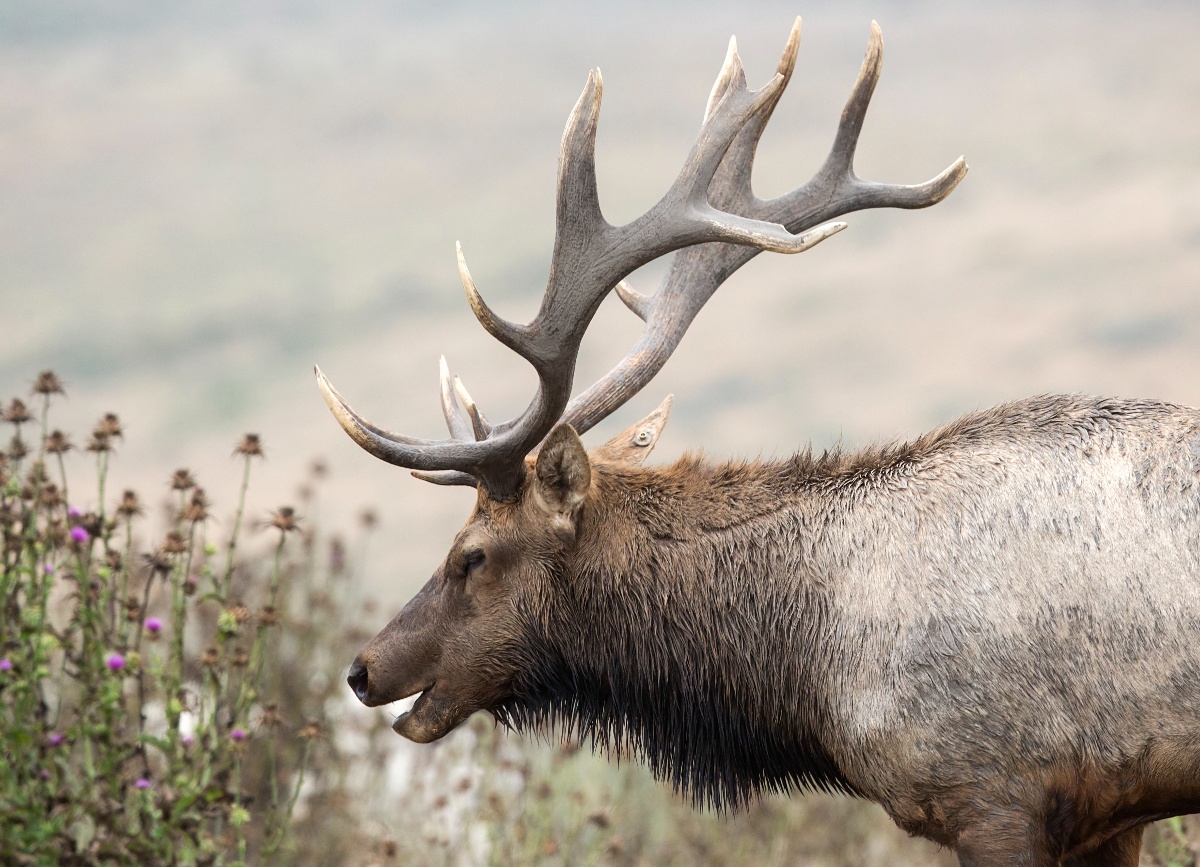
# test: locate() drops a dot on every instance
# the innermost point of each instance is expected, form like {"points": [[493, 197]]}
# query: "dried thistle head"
{"points": [[197, 509], [17, 449], [56, 533], [160, 562], [50, 496], [310, 731], [318, 468], [240, 658], [175, 543], [91, 522], [285, 519], [109, 426], [268, 616], [368, 518], [249, 446], [58, 443], [100, 442], [16, 413], [211, 657], [129, 506], [48, 383], [182, 480], [271, 717]]}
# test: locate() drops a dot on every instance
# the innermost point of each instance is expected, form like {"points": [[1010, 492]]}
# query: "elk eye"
{"points": [[472, 560]]}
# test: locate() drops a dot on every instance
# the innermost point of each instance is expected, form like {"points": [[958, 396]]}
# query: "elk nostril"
{"points": [[357, 678]]}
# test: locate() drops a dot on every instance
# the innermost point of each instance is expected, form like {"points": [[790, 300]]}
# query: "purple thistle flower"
{"points": [[142, 783], [54, 739], [79, 534], [153, 625], [115, 661], [238, 734], [187, 740], [45, 775], [5, 663], [49, 570], [73, 512]]}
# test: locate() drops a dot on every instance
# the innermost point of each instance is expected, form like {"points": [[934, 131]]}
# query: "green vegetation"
{"points": [[145, 710]]}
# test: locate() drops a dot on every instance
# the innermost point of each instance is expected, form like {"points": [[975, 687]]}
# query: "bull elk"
{"points": [[990, 630]]}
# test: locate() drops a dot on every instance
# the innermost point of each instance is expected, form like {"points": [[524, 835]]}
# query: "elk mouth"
{"points": [[431, 717], [422, 693]]}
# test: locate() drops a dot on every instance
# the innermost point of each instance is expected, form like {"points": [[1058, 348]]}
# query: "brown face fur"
{"points": [[459, 641]]}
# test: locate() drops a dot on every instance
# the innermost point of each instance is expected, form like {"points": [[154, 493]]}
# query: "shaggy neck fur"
{"points": [[689, 628]]}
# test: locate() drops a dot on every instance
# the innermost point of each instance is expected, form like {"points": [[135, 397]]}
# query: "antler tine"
{"points": [[457, 419], [845, 142], [577, 200], [697, 272], [732, 74], [634, 300], [509, 333], [480, 428], [392, 447], [836, 182], [734, 173]]}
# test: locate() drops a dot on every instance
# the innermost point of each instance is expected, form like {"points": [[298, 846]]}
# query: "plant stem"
{"points": [[237, 526]]}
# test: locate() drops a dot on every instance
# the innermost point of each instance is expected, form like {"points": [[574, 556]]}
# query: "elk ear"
{"points": [[562, 475], [634, 444]]}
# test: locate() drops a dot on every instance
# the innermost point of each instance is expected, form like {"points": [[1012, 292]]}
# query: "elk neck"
{"points": [[664, 637]]}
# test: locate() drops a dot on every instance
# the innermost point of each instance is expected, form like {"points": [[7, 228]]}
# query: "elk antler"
{"points": [[698, 271], [709, 209]]}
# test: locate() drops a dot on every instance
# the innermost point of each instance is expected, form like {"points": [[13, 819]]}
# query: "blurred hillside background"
{"points": [[202, 199]]}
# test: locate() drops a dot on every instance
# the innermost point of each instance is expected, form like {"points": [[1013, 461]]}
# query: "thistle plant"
{"points": [[136, 714]]}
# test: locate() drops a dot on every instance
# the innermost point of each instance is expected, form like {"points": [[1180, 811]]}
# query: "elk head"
{"points": [[465, 638]]}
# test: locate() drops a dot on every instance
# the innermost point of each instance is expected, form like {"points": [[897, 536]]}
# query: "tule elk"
{"points": [[991, 630]]}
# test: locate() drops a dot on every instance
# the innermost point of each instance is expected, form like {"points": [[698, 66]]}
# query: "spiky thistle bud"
{"points": [[17, 449], [250, 446], [160, 562], [58, 443], [197, 509], [16, 413], [129, 506], [110, 426], [175, 543], [285, 520], [47, 383], [182, 480]]}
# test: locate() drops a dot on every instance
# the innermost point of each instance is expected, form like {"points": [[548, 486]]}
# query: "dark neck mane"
{"points": [[687, 634]]}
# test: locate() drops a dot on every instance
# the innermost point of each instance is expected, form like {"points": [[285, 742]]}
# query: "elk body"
{"points": [[991, 630]]}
